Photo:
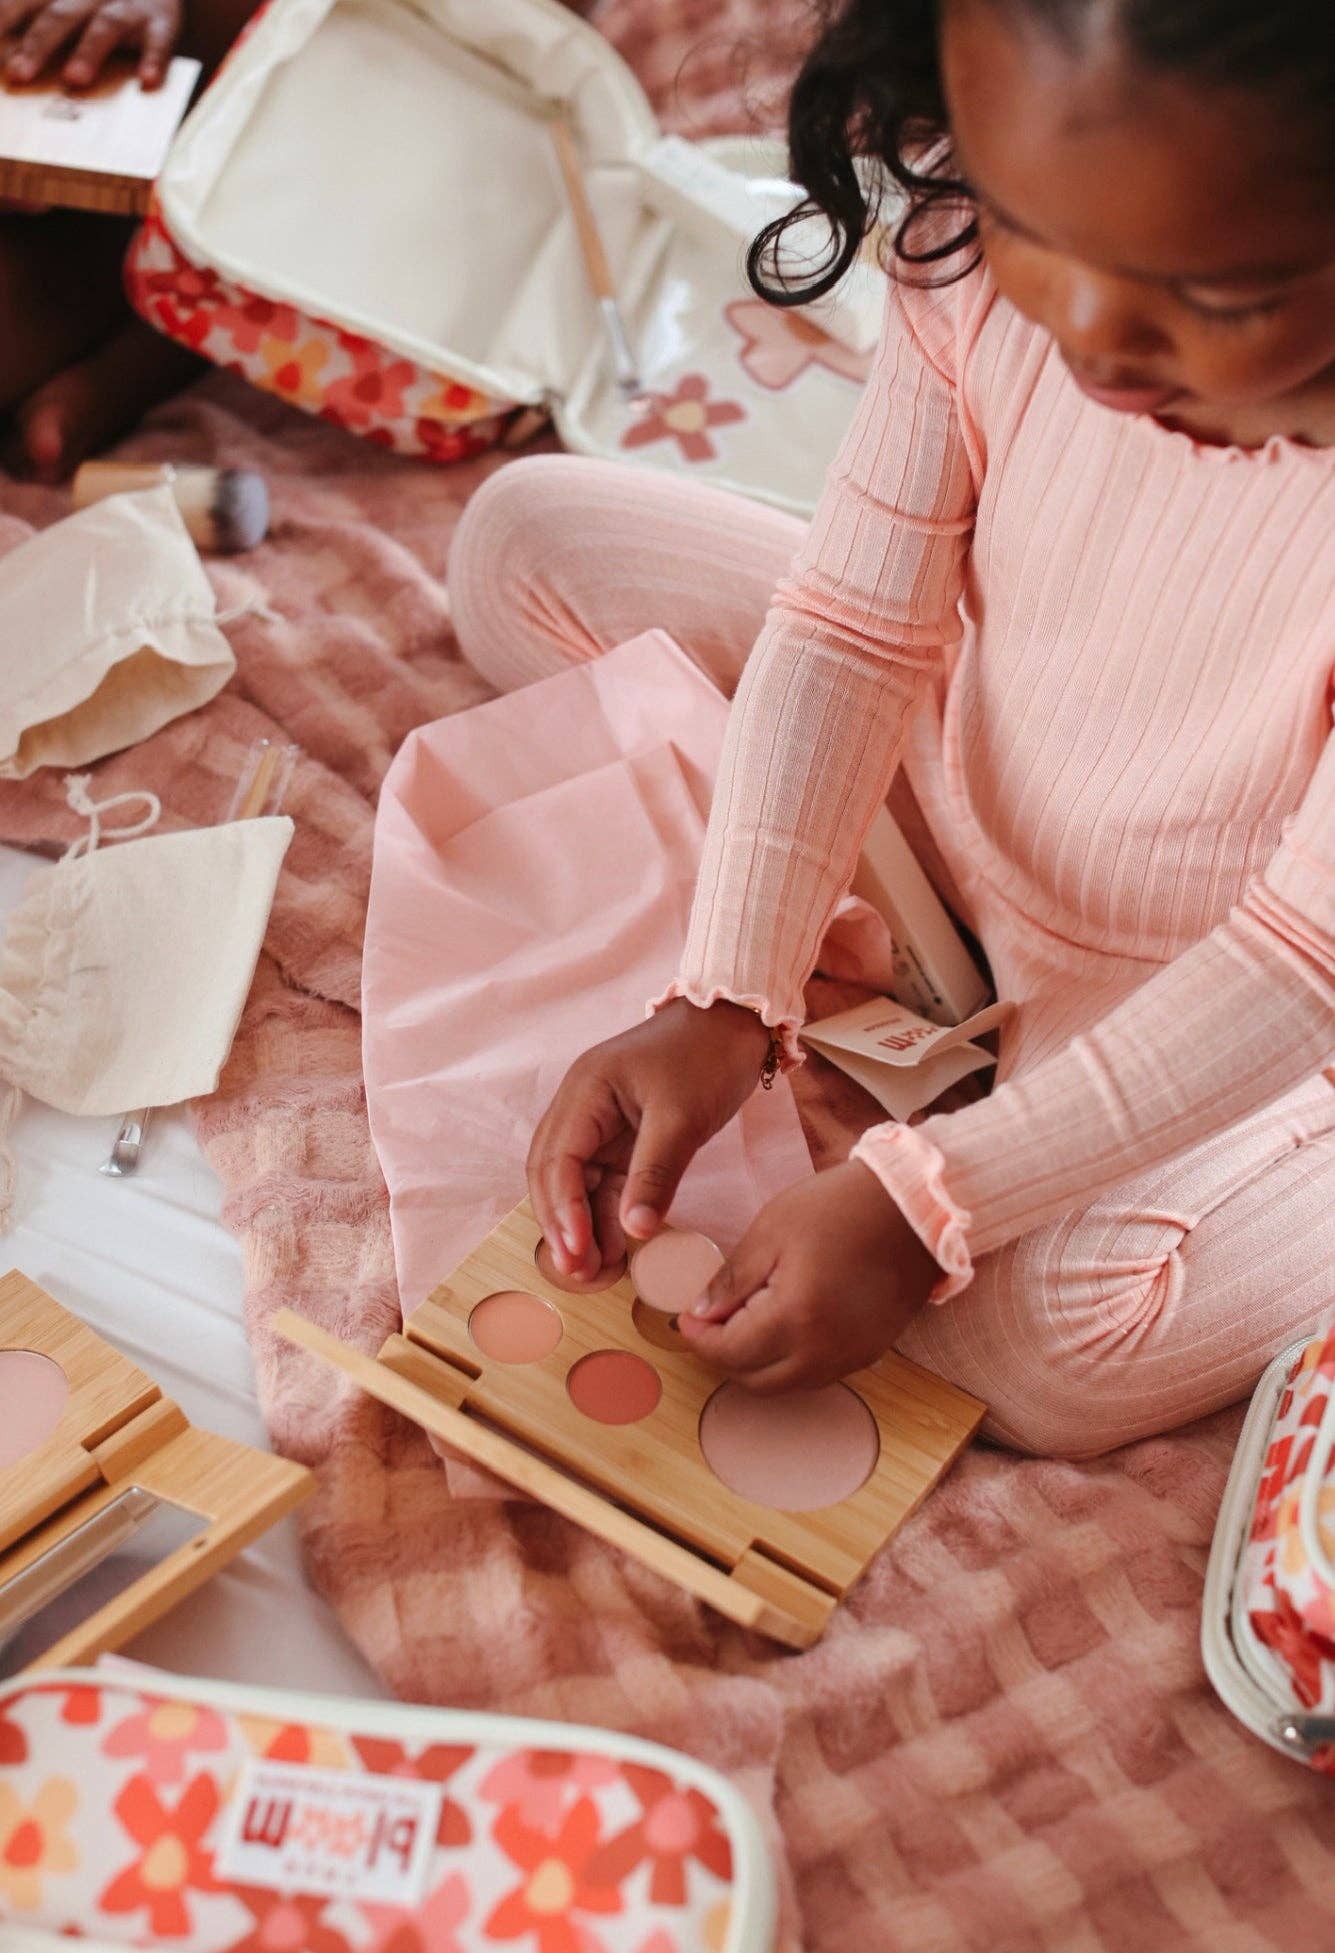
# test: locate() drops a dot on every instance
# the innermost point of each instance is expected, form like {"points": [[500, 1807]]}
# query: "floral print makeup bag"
{"points": [[147, 1810], [365, 215], [1268, 1625]]}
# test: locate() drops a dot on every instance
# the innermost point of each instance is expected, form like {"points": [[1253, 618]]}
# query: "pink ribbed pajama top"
{"points": [[1116, 649]]}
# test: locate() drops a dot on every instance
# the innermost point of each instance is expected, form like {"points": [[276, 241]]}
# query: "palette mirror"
{"points": [[113, 1506]]}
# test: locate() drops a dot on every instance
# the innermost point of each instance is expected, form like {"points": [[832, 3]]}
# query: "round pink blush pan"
{"points": [[673, 1269], [515, 1327], [34, 1391], [614, 1386], [795, 1453]]}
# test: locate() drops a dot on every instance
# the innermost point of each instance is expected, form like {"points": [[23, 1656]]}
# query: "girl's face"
{"points": [[1176, 239]]}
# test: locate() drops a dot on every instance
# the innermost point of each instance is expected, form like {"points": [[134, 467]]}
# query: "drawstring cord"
{"points": [[80, 801], [252, 607]]}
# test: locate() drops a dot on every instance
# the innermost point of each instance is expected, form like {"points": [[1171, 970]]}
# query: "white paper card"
{"points": [[292, 1828], [116, 125], [902, 1059]]}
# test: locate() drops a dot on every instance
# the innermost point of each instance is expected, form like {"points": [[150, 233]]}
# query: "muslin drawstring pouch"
{"points": [[108, 630], [125, 969]]}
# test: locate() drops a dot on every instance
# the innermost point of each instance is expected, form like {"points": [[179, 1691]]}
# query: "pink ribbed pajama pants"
{"points": [[1158, 1302]]}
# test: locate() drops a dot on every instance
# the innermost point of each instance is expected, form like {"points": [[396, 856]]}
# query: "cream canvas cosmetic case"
{"points": [[365, 214], [142, 1809], [1268, 1620]]}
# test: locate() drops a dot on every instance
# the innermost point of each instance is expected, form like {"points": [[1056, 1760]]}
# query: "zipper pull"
{"points": [[1306, 1734]]}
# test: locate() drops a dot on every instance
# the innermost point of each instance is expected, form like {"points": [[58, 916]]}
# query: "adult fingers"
{"points": [[159, 39], [13, 13], [47, 34], [664, 1147], [108, 28]]}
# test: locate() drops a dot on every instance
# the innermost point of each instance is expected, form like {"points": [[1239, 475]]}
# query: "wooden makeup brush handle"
{"points": [[590, 237]]}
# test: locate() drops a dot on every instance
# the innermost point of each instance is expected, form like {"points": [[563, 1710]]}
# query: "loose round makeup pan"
{"points": [[586, 1393]]}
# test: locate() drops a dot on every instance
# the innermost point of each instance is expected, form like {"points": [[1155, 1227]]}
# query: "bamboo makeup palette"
{"points": [[589, 1399], [95, 1465]]}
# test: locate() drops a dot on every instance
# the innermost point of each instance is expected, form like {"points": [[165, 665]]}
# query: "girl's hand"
{"points": [[826, 1278], [102, 26], [626, 1122]]}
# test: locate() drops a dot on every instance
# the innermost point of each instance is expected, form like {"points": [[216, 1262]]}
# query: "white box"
{"points": [[934, 972]]}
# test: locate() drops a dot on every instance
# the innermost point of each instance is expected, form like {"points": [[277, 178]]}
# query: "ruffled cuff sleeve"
{"points": [[912, 1171], [785, 1029]]}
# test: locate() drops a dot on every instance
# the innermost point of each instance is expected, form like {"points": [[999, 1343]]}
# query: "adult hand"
{"points": [[98, 29]]}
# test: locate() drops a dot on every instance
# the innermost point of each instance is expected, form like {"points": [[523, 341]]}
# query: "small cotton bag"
{"points": [[125, 970], [108, 630]]}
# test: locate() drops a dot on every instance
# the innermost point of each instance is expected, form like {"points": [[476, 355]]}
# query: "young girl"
{"points": [[1073, 576]]}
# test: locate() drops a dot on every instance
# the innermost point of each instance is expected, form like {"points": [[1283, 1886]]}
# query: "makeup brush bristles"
{"points": [[225, 509], [239, 511]]}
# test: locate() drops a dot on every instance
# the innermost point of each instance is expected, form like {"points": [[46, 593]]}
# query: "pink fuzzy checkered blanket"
{"points": [[1006, 1743]]}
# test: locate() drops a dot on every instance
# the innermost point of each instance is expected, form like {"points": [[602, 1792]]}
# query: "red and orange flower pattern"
{"points": [[537, 1850], [308, 362]]}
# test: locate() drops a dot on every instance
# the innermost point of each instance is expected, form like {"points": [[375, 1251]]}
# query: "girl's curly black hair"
{"points": [[868, 105]]}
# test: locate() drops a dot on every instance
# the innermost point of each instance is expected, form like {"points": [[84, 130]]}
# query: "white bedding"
{"points": [[147, 1262]]}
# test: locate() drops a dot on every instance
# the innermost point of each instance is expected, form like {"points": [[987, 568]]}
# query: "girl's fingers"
{"points": [[607, 1217], [664, 1147], [580, 1123], [101, 37], [561, 1203], [774, 1380], [13, 13], [48, 33], [749, 1341], [747, 1269]]}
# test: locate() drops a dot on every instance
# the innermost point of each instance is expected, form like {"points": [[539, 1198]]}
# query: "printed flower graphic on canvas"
{"points": [[35, 1844], [537, 1785], [284, 1925], [442, 443], [452, 402], [557, 1884], [83, 1705], [253, 320], [293, 1742], [372, 391], [294, 371], [164, 1734], [431, 1928], [778, 347], [674, 1827], [435, 1764], [717, 1921], [13, 1740], [172, 1860], [685, 417], [1302, 1652]]}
